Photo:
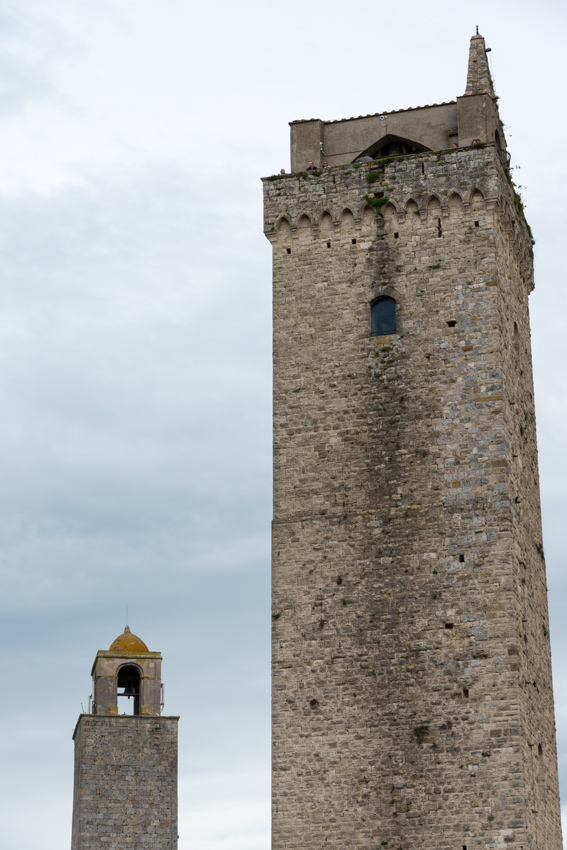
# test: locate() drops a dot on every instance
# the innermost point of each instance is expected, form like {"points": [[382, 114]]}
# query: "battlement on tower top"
{"points": [[393, 186]]}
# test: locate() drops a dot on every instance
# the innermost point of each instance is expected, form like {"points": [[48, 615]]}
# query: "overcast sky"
{"points": [[135, 349]]}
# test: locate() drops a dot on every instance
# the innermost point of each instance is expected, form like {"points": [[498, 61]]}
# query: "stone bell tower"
{"points": [[412, 692], [125, 790]]}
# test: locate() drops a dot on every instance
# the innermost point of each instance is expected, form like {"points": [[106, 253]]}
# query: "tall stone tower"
{"points": [[412, 693], [125, 792]]}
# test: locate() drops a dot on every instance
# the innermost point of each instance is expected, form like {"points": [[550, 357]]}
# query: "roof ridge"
{"points": [[374, 114]]}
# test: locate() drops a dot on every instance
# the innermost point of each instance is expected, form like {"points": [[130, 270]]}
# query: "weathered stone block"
{"points": [[125, 791]]}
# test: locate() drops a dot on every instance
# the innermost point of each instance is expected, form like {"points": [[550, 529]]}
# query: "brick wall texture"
{"points": [[412, 691], [125, 794]]}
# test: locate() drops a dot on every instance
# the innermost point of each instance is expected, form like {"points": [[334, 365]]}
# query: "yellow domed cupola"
{"points": [[127, 642]]}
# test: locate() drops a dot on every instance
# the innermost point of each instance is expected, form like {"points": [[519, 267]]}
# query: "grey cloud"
{"points": [[125, 422], [33, 41]]}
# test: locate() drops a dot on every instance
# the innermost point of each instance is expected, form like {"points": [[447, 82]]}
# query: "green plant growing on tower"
{"points": [[381, 164], [376, 203]]}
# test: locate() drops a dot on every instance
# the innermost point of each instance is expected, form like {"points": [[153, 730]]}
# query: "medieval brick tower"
{"points": [[412, 698], [125, 793]]}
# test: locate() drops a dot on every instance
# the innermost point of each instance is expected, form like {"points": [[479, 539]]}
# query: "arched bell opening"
{"points": [[128, 690]]}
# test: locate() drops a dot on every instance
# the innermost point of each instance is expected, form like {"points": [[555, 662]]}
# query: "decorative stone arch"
{"points": [[389, 209], [283, 230], [435, 214], [390, 216], [455, 205], [129, 663], [326, 225], [411, 207], [302, 220], [367, 219], [411, 216], [304, 228], [357, 212], [433, 206], [476, 202], [347, 222], [391, 145]]}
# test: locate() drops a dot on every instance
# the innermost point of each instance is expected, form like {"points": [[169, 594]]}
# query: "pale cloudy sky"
{"points": [[135, 349]]}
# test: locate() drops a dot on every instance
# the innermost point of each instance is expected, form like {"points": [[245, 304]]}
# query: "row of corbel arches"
{"points": [[363, 217]]}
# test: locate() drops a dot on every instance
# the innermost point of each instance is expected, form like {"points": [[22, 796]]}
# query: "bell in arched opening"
{"points": [[128, 685], [127, 678]]}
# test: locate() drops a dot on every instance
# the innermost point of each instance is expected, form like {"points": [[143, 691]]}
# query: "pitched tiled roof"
{"points": [[374, 114]]}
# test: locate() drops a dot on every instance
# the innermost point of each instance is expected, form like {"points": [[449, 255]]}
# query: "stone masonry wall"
{"points": [[125, 793], [412, 702]]}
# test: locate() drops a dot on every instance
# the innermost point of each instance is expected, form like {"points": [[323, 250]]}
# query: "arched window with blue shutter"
{"points": [[383, 316]]}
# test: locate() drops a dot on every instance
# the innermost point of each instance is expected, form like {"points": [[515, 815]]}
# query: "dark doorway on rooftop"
{"points": [[392, 146]]}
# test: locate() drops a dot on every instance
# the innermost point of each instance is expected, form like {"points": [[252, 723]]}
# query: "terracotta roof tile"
{"points": [[375, 114]]}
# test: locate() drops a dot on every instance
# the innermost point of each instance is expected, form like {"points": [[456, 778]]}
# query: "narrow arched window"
{"points": [[128, 685], [383, 316]]}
